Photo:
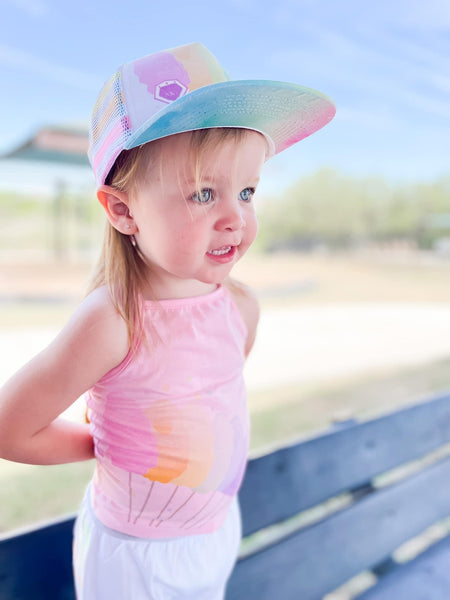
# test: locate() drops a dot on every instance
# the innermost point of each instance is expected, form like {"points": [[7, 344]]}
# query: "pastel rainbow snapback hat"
{"points": [[184, 89]]}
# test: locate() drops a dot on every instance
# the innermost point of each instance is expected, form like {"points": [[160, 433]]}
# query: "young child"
{"points": [[159, 344]]}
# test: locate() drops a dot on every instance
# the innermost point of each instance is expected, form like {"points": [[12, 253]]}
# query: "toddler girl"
{"points": [[158, 345]]}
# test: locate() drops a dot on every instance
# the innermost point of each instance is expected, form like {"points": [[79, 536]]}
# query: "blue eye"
{"points": [[246, 195], [203, 196]]}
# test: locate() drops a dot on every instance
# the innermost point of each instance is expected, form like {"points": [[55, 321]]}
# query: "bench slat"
{"points": [[37, 564], [425, 577], [310, 563], [274, 487]]}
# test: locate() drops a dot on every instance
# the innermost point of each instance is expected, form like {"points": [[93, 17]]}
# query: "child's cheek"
{"points": [[252, 228]]}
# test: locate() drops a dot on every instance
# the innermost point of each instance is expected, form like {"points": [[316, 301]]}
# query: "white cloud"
{"points": [[26, 61], [373, 69], [381, 120], [32, 8], [433, 14], [245, 5], [441, 82], [415, 14], [429, 104]]}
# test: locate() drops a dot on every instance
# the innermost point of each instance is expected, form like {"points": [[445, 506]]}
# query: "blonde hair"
{"points": [[121, 267]]}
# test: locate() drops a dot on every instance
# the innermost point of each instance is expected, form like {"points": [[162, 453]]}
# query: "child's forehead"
{"points": [[179, 156]]}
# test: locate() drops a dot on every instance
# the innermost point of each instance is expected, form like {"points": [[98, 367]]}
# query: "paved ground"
{"points": [[312, 344], [329, 341]]}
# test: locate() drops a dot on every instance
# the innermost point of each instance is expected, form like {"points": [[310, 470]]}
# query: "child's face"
{"points": [[192, 228]]}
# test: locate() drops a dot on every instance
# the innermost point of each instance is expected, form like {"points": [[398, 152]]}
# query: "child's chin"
{"points": [[216, 279]]}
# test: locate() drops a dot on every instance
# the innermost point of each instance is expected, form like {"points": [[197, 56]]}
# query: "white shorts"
{"points": [[109, 565]]}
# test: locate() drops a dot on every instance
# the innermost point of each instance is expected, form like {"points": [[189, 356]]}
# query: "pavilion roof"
{"points": [[56, 144]]}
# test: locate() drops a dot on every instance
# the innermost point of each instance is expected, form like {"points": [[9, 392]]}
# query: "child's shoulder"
{"points": [[99, 306], [97, 322], [242, 294], [248, 305]]}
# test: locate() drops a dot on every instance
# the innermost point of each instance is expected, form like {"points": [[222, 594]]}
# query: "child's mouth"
{"points": [[221, 251], [222, 255]]}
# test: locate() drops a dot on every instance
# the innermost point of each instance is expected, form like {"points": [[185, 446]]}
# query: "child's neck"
{"points": [[178, 288]]}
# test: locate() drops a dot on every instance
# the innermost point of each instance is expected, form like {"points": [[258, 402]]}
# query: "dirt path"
{"points": [[325, 343]]}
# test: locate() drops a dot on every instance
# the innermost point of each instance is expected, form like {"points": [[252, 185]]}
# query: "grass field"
{"points": [[39, 294]]}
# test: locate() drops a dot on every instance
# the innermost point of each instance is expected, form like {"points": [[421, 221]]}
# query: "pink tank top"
{"points": [[170, 423]]}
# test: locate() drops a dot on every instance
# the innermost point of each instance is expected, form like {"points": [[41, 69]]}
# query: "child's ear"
{"points": [[116, 205]]}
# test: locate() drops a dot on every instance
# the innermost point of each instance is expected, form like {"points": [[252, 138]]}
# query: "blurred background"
{"points": [[352, 263]]}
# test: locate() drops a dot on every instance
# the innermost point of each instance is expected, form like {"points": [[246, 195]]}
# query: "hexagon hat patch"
{"points": [[169, 91]]}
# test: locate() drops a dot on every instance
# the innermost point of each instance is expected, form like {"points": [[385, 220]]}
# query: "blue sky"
{"points": [[386, 65]]}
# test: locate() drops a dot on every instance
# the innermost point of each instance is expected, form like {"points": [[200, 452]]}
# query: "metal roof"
{"points": [[56, 145]]}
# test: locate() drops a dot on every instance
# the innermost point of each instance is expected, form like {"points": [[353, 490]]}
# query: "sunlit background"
{"points": [[352, 265]]}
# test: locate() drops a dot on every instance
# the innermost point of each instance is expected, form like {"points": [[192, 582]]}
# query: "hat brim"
{"points": [[285, 113]]}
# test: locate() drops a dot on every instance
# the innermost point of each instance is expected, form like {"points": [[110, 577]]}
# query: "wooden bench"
{"points": [[318, 513]]}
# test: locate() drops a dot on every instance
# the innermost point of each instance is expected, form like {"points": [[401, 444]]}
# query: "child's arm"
{"points": [[248, 306], [93, 342]]}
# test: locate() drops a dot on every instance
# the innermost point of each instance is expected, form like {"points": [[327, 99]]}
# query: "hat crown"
{"points": [[139, 90], [186, 89]]}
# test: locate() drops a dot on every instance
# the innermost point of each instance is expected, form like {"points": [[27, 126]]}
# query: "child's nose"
{"points": [[231, 216]]}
